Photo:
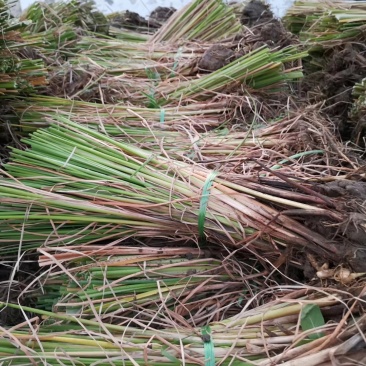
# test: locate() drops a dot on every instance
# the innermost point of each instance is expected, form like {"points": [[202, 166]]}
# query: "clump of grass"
{"points": [[288, 326], [204, 133], [160, 75], [83, 185], [112, 119], [185, 283], [326, 22], [204, 20], [261, 69], [41, 16], [17, 75]]}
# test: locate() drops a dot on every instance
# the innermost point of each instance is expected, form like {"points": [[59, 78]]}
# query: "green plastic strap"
{"points": [[162, 115], [208, 346], [299, 155], [204, 202], [176, 61]]}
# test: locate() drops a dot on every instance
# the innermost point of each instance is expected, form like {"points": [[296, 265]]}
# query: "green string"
{"points": [[176, 61], [299, 155], [204, 202], [208, 346], [162, 115]]}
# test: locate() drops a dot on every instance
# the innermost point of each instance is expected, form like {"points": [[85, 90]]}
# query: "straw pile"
{"points": [[175, 208]]}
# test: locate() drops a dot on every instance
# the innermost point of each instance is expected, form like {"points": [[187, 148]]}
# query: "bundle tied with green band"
{"points": [[204, 20], [201, 133], [114, 119], [74, 183], [164, 81], [118, 283], [327, 23], [288, 327], [18, 75]]}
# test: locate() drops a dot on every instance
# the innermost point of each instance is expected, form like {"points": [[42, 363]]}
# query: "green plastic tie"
{"points": [[299, 155], [204, 202], [162, 115], [176, 61], [208, 346]]}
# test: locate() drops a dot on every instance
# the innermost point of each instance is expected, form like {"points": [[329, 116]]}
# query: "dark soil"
{"points": [[275, 34], [216, 57], [350, 198], [130, 20], [353, 191], [256, 12], [161, 14], [332, 85], [12, 289]]}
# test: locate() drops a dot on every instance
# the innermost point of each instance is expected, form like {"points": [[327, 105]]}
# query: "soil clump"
{"points": [[161, 14], [256, 12], [130, 20], [216, 57], [332, 85], [265, 30]]}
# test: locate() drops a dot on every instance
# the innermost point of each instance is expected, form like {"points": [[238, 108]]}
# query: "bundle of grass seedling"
{"points": [[117, 57], [261, 69], [165, 58], [204, 20], [297, 143], [289, 327], [147, 80], [327, 22], [17, 75], [82, 14], [120, 283], [54, 29], [110, 118], [78, 184], [154, 73]]}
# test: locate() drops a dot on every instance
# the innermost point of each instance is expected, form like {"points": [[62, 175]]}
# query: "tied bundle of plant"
{"points": [[160, 74], [114, 118], [334, 35], [293, 324], [204, 20], [184, 284], [259, 70], [327, 23], [82, 14], [166, 59], [54, 29], [18, 75], [77, 184], [127, 35], [118, 57], [303, 144]]}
